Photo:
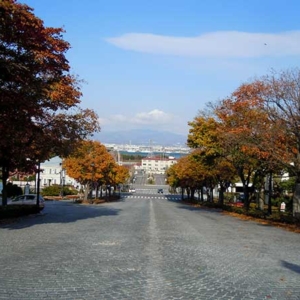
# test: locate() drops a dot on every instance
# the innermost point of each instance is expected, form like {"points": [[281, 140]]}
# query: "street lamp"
{"points": [[62, 181], [38, 184], [27, 189], [93, 175]]}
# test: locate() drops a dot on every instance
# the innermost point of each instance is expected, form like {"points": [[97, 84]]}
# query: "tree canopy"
{"points": [[40, 114], [255, 131], [93, 166]]}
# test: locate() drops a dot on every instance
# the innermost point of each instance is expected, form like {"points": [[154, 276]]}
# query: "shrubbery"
{"points": [[288, 200], [13, 190], [276, 216], [288, 185], [230, 197], [56, 190]]}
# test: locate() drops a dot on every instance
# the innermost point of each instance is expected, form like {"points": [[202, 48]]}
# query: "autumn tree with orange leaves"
{"points": [[40, 114], [240, 129], [236, 136], [190, 175], [204, 137], [282, 100], [93, 166], [257, 144]]}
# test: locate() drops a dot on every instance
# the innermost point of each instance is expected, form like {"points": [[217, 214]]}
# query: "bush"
{"points": [[229, 197], [288, 200], [13, 190], [235, 209], [256, 213], [288, 185], [281, 217], [55, 190]]}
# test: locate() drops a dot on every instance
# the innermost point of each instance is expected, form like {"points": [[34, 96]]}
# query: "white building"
{"points": [[157, 165], [53, 173]]}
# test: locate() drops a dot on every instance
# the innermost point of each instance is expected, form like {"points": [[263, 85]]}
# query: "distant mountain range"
{"points": [[142, 137]]}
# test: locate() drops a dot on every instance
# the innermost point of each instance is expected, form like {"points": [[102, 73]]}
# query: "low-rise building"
{"points": [[53, 173], [157, 165]]}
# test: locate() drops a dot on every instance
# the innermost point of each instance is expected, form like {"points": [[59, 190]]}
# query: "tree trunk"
{"points": [[192, 194], [259, 200], [246, 199], [296, 200], [109, 191], [86, 191], [5, 174], [210, 196], [221, 194], [188, 193], [38, 185], [270, 195], [97, 192]]}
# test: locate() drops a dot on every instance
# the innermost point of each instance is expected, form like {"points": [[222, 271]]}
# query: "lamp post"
{"points": [[38, 185], [93, 175], [27, 189], [62, 181]]}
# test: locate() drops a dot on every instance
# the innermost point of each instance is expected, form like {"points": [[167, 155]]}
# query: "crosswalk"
{"points": [[150, 191], [151, 197]]}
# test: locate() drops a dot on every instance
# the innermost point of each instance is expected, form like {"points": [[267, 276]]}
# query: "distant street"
{"points": [[141, 179], [147, 246]]}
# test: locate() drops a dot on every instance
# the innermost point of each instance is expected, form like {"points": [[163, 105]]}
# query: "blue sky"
{"points": [[155, 64]]}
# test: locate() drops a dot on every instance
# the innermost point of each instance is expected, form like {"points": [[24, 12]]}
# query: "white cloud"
{"points": [[155, 116], [154, 119], [213, 44], [118, 118]]}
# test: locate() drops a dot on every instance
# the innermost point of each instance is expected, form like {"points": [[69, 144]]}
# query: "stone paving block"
{"points": [[145, 247]]}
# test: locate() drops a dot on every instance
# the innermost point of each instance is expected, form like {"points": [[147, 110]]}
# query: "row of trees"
{"points": [[40, 113], [253, 133], [94, 167]]}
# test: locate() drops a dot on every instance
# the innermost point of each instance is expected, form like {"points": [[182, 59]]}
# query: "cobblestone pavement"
{"points": [[145, 248]]}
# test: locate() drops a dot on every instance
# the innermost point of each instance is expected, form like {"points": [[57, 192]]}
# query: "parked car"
{"points": [[160, 191], [131, 190], [29, 199]]}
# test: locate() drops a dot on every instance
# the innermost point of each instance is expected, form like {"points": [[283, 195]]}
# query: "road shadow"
{"points": [[62, 212], [209, 213], [293, 267], [184, 204]]}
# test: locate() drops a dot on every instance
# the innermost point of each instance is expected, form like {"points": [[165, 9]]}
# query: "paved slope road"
{"points": [[145, 248]]}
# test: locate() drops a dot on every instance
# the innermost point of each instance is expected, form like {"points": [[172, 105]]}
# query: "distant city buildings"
{"points": [[129, 148], [158, 160]]}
